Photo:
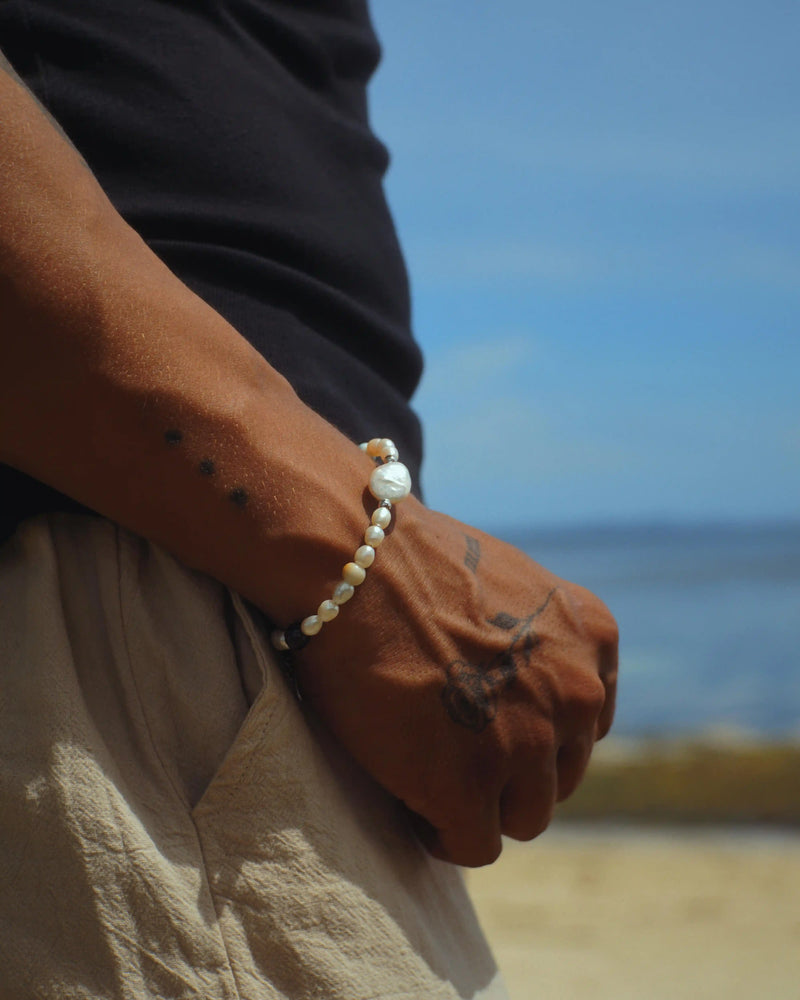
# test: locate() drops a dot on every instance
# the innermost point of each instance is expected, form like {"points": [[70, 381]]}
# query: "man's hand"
{"points": [[468, 680]]}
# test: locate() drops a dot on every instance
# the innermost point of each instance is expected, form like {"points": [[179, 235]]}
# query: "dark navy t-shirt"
{"points": [[233, 135]]}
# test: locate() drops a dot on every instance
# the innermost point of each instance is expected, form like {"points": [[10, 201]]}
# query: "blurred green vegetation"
{"points": [[692, 783]]}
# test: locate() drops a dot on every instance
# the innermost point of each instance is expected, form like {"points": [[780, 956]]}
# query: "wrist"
{"points": [[310, 512], [389, 484]]}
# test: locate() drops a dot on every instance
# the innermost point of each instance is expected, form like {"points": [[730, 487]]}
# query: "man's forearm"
{"points": [[8, 69], [124, 390]]}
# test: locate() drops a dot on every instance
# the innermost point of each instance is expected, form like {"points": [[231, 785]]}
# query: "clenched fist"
{"points": [[469, 681]]}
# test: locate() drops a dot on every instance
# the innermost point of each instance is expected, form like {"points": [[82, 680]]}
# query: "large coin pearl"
{"points": [[390, 482]]}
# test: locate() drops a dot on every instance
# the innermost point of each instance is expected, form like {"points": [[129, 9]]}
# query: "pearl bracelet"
{"points": [[389, 483]]}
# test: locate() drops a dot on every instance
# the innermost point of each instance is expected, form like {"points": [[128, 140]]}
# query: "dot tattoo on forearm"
{"points": [[207, 467], [238, 496]]}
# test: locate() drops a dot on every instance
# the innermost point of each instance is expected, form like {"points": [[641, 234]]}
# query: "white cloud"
{"points": [[482, 261], [461, 368], [506, 447], [757, 158], [693, 262], [753, 156]]}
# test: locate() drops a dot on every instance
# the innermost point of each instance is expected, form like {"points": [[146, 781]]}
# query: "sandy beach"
{"points": [[645, 915]]}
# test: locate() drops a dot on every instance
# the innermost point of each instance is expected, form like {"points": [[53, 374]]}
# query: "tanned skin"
{"points": [[465, 678]]}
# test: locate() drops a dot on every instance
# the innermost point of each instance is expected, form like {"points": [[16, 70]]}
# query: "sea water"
{"points": [[709, 621]]}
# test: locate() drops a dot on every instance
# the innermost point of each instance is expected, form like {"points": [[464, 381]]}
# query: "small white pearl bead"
{"points": [[387, 449], [390, 482], [381, 517], [311, 625], [342, 592], [353, 574], [374, 535], [365, 556], [328, 610], [363, 446], [374, 446], [279, 640]]}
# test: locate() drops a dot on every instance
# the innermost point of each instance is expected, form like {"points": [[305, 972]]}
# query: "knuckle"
{"points": [[602, 623], [595, 695], [586, 700], [596, 617], [608, 630]]}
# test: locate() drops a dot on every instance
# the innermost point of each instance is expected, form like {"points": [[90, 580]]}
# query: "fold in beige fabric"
{"points": [[171, 825]]}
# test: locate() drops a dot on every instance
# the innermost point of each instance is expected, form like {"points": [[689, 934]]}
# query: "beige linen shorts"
{"points": [[172, 824]]}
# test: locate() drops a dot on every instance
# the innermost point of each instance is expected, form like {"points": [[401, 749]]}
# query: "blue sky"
{"points": [[600, 209]]}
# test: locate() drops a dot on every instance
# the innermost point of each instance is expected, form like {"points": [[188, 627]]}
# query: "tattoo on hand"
{"points": [[471, 692], [473, 556], [207, 467]]}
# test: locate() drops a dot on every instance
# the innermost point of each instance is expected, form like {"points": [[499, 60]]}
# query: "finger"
{"points": [[528, 801], [472, 843], [608, 667], [571, 764], [580, 707], [600, 624]]}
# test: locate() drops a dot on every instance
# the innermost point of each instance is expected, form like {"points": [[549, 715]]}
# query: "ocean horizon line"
{"points": [[646, 529]]}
